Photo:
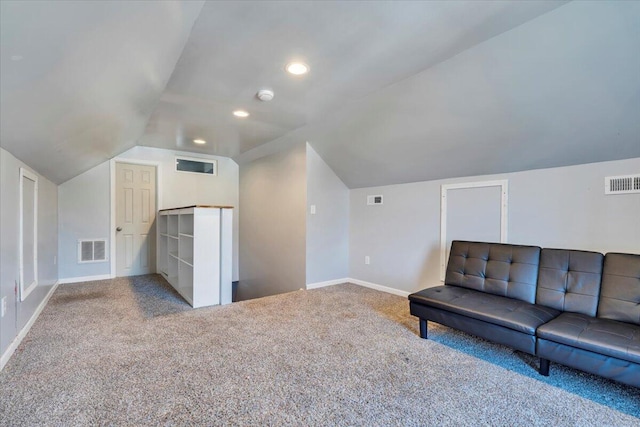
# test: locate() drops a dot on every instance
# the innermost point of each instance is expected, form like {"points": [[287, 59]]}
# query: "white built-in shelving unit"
{"points": [[195, 252]]}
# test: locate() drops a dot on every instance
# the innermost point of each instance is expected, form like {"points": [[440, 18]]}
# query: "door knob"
{"points": [[119, 229]]}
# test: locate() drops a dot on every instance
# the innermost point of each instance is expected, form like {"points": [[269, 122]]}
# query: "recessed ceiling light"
{"points": [[297, 68], [241, 113], [199, 141]]}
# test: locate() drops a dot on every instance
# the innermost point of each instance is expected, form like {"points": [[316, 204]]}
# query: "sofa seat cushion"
{"points": [[604, 336], [511, 313]]}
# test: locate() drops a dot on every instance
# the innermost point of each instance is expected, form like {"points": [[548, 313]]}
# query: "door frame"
{"points": [[112, 232], [504, 214], [26, 289]]}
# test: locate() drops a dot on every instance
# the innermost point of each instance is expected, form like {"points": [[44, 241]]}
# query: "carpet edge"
{"points": [[25, 330]]}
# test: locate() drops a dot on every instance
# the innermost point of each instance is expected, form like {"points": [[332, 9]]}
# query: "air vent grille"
{"points": [[92, 250], [374, 200], [626, 184]]}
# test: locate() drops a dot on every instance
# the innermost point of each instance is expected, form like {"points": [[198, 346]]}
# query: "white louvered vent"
{"points": [[374, 200], [625, 184], [92, 250]]}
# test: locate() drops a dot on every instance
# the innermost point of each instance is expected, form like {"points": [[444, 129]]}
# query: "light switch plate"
{"points": [[3, 307], [313, 209]]}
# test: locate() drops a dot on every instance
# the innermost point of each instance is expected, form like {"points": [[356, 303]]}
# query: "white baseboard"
{"points": [[84, 279], [379, 287], [23, 333], [327, 283], [359, 283]]}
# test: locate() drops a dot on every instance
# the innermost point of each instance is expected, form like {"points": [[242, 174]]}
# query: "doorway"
{"points": [[134, 219]]}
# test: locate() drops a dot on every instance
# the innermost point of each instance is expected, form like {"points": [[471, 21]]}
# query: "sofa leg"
{"points": [[423, 329], [544, 367]]}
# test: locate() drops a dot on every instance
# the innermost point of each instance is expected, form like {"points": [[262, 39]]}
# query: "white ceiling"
{"points": [[90, 76], [398, 91]]}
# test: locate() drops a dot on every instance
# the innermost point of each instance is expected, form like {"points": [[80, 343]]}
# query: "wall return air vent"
{"points": [[624, 184], [374, 200], [92, 250]]}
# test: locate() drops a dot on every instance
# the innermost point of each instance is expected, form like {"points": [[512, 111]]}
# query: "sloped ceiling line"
{"points": [[398, 91]]}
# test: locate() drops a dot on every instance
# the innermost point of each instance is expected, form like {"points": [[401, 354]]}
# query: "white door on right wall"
{"points": [[475, 213]]}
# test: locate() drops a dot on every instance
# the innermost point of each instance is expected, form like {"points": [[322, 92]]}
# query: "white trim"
{"points": [[327, 283], [23, 333], [504, 216], [24, 292], [84, 279], [359, 283], [378, 287], [112, 222]]}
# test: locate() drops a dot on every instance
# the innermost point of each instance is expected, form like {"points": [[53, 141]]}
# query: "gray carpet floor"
{"points": [[131, 352]]}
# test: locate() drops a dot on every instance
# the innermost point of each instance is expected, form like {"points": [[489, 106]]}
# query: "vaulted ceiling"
{"points": [[397, 92]]}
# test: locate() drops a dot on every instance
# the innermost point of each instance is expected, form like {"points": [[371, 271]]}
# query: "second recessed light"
{"points": [[241, 113], [297, 68], [199, 141]]}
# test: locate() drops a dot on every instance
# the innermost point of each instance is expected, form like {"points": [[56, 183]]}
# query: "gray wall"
{"points": [[19, 313], [328, 229], [561, 207], [273, 224], [85, 202], [84, 214]]}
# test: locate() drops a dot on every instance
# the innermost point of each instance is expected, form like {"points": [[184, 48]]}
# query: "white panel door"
{"points": [[135, 218]]}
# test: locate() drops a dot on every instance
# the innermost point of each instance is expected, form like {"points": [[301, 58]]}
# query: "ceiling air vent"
{"points": [[625, 184], [92, 250], [374, 200]]}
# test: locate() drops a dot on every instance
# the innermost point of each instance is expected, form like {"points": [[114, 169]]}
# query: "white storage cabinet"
{"points": [[195, 252]]}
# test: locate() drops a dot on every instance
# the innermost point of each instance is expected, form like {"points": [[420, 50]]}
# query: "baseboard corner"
{"points": [[327, 283], [379, 287]]}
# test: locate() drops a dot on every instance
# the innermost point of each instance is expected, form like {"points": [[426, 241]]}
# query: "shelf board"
{"points": [[169, 235], [186, 235], [188, 261], [174, 254], [196, 206]]}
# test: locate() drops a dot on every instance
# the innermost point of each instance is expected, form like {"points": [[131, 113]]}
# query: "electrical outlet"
{"points": [[3, 307], [367, 260]]}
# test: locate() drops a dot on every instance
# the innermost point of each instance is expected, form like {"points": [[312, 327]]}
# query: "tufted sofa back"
{"points": [[620, 294], [570, 280], [495, 268]]}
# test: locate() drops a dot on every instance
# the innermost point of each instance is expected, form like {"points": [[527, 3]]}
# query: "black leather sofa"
{"points": [[576, 308]]}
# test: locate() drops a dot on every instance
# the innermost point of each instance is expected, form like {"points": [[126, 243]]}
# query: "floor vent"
{"points": [[92, 250], [625, 184]]}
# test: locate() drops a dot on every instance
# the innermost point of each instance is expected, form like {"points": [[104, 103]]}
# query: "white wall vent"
{"points": [[625, 184], [374, 200], [92, 250]]}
